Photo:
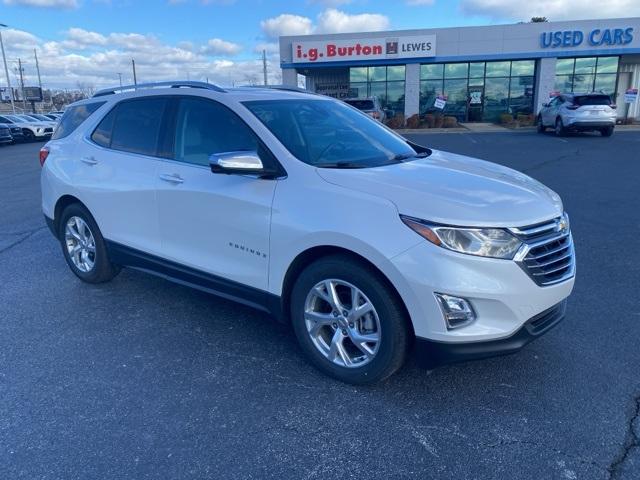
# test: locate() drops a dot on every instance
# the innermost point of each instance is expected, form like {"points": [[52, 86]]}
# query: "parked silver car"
{"points": [[371, 106], [578, 112]]}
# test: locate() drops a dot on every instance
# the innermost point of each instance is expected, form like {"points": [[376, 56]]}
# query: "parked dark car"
{"points": [[5, 134]]}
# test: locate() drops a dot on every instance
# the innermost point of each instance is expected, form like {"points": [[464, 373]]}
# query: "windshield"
{"points": [[592, 100], [41, 117], [330, 134], [16, 119], [361, 104]]}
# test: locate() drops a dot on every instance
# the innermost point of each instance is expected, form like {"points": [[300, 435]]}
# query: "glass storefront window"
{"points": [[456, 70], [606, 84], [564, 66], [429, 89], [395, 73], [587, 74], [456, 92], [476, 70], [521, 95], [496, 98], [498, 69], [523, 68], [377, 74], [607, 65], [586, 65], [583, 83], [431, 71], [385, 82], [358, 74]]}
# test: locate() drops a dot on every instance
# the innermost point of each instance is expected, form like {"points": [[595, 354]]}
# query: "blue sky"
{"points": [[89, 41]]}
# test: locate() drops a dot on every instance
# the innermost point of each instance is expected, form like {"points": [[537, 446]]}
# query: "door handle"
{"points": [[171, 178], [89, 160]]}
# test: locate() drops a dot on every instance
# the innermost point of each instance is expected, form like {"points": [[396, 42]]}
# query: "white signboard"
{"points": [[631, 95], [441, 102], [343, 50]]}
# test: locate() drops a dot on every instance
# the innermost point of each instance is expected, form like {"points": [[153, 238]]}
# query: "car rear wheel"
{"points": [[540, 126], [606, 132], [348, 321], [559, 130], [83, 246]]}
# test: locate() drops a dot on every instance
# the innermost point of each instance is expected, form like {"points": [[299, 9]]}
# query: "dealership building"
{"points": [[481, 72]]}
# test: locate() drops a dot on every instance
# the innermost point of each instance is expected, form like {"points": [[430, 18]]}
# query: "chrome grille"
{"points": [[547, 254]]}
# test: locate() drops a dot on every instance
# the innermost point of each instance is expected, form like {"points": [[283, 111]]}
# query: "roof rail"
{"points": [[176, 84], [285, 87]]}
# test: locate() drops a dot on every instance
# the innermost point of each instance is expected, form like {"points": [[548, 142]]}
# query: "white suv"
{"points": [[304, 207], [573, 112]]}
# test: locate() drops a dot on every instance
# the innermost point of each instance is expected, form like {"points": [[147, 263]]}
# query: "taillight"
{"points": [[613, 106], [375, 115], [44, 153]]}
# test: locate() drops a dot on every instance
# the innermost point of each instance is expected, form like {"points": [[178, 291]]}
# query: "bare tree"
{"points": [[87, 89], [539, 20]]}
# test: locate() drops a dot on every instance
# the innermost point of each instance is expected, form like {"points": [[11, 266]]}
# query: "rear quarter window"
{"points": [[73, 118]]}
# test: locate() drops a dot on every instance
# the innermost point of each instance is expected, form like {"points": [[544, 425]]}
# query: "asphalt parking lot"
{"points": [[145, 379]]}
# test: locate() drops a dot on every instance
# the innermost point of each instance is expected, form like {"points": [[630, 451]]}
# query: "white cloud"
{"points": [[92, 58], [217, 46], [552, 9], [271, 48], [336, 21], [286, 24], [330, 20], [44, 3]]}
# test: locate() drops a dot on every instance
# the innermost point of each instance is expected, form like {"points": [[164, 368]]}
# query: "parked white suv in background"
{"points": [[302, 206], [573, 112], [31, 129]]}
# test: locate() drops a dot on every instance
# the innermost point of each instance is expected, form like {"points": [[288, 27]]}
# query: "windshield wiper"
{"points": [[341, 165], [407, 156]]}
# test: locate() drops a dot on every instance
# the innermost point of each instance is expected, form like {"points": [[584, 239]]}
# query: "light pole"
{"points": [[120, 75], [6, 70]]}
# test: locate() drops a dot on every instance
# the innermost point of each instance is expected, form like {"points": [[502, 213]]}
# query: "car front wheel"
{"points": [[559, 130], [540, 126], [83, 246], [348, 321], [29, 136]]}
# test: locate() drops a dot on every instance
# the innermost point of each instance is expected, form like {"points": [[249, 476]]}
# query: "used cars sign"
{"points": [[364, 49]]}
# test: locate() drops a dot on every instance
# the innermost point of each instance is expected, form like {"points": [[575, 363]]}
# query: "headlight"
{"points": [[483, 242]]}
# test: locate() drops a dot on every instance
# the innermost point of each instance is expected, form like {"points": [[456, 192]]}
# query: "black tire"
{"points": [[540, 126], [29, 135], [559, 130], [607, 132], [103, 270], [395, 331]]}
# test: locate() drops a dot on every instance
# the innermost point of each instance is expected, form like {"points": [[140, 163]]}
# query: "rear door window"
{"points": [[73, 117], [362, 104], [136, 126]]}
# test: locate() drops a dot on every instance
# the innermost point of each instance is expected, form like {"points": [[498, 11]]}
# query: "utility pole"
{"points": [[120, 75], [24, 98], [264, 66], [6, 70], [135, 79]]}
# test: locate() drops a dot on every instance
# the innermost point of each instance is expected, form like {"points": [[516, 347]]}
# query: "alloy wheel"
{"points": [[342, 323], [81, 246]]}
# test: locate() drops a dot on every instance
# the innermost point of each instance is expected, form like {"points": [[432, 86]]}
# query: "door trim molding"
{"points": [[191, 277]]}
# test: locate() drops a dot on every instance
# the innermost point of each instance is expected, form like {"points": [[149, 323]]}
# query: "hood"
{"points": [[455, 190]]}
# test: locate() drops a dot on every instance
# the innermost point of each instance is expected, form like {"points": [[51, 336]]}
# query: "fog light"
{"points": [[457, 312]]}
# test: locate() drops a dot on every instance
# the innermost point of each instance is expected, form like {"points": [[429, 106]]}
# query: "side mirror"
{"points": [[240, 163]]}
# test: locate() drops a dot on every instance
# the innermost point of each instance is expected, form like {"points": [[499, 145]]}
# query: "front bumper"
{"points": [[430, 353]]}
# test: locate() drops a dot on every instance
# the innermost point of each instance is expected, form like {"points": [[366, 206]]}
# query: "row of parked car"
{"points": [[27, 128]]}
